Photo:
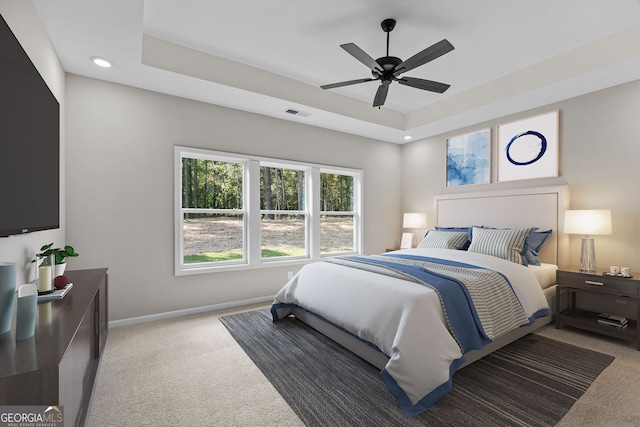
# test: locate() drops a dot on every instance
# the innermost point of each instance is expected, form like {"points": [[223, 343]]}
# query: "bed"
{"points": [[408, 313]]}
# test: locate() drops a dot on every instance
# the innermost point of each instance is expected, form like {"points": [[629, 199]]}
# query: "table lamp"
{"points": [[587, 223], [415, 221]]}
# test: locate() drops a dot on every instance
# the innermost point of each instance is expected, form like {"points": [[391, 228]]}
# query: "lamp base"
{"points": [[588, 255]]}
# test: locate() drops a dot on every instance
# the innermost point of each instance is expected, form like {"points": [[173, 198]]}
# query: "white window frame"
{"points": [[307, 170], [355, 212], [252, 213]]}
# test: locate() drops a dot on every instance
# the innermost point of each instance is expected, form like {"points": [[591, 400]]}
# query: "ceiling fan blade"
{"points": [[424, 84], [381, 94], [362, 56], [424, 56], [347, 83]]}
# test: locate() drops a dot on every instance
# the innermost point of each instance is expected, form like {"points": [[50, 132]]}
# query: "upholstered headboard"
{"points": [[541, 207]]}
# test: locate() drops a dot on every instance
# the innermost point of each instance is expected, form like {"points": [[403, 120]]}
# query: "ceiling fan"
{"points": [[388, 68]]}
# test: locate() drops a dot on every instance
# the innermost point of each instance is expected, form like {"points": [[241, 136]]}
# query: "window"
{"points": [[283, 217], [337, 214], [235, 211], [212, 210]]}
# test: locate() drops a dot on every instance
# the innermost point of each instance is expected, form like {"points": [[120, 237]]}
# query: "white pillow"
{"points": [[506, 243]]}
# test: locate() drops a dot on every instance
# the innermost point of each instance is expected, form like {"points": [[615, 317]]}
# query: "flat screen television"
{"points": [[29, 143]]}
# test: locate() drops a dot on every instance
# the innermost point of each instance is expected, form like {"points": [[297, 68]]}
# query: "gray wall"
{"points": [[23, 21], [599, 154], [120, 189]]}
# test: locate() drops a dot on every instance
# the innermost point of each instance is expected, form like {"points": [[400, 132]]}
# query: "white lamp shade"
{"points": [[415, 220], [587, 222]]}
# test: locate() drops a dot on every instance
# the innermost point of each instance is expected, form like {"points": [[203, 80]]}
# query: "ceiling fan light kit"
{"points": [[388, 69]]}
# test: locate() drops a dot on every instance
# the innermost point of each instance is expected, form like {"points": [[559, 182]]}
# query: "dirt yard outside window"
{"points": [[223, 235]]}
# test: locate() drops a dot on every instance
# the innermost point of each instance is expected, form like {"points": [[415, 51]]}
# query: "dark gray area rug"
{"points": [[531, 382]]}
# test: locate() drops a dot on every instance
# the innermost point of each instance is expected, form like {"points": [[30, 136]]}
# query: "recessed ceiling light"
{"points": [[101, 62], [407, 137]]}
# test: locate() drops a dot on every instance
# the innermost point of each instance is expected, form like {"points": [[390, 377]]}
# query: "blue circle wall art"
{"points": [[528, 148]]}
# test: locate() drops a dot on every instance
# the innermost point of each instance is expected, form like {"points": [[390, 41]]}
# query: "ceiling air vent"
{"points": [[297, 113]]}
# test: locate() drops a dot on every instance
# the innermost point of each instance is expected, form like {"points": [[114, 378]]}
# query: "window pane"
{"points": [[283, 235], [211, 184], [336, 233], [281, 189], [336, 192], [213, 237]]}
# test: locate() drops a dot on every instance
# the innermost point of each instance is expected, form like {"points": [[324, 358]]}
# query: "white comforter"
{"points": [[402, 319]]}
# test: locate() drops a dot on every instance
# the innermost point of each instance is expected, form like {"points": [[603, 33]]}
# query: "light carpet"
{"points": [[189, 371]]}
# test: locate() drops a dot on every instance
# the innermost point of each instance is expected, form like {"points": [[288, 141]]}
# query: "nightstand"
{"points": [[576, 282]]}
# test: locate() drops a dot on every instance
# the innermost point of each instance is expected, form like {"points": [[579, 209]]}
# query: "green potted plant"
{"points": [[60, 255]]}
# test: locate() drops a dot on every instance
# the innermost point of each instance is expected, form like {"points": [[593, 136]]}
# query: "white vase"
{"points": [[59, 269]]}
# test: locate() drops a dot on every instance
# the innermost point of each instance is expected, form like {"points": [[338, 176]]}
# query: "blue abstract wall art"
{"points": [[469, 158]]}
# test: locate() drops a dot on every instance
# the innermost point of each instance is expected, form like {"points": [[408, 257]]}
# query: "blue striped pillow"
{"points": [[444, 239], [467, 230], [506, 243]]}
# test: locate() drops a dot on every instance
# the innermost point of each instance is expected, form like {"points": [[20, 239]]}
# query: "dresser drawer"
{"points": [[593, 282]]}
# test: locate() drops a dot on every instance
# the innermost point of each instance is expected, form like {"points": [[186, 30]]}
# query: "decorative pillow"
{"points": [[535, 242], [444, 239], [467, 230], [506, 243]]}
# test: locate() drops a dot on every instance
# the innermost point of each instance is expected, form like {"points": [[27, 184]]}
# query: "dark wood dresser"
{"points": [[59, 364]]}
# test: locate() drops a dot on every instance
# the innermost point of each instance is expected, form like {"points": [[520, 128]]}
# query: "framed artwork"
{"points": [[469, 158], [528, 149], [407, 241]]}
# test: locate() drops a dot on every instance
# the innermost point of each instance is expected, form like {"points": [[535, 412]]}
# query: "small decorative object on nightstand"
{"points": [[578, 282]]}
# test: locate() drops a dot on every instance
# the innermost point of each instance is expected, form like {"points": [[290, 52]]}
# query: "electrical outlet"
{"points": [[621, 301], [289, 274]]}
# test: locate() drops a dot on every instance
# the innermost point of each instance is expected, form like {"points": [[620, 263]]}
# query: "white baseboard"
{"points": [[188, 312]]}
